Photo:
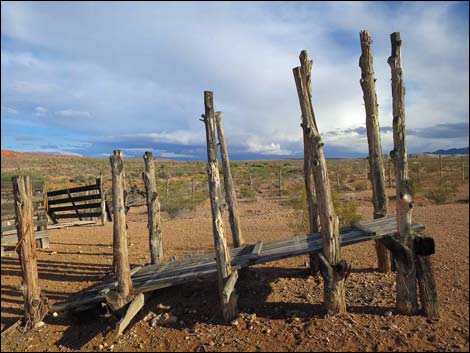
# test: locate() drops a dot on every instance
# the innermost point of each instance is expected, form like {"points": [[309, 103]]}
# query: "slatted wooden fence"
{"points": [[8, 228], [78, 202]]}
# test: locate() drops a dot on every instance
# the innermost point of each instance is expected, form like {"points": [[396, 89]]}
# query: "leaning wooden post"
{"points": [[312, 204], [333, 268], [153, 210], [226, 276], [230, 196], [35, 305], [406, 282], [120, 256], [104, 218], [377, 174]]}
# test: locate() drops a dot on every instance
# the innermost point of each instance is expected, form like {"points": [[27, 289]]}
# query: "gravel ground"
{"points": [[280, 304]]}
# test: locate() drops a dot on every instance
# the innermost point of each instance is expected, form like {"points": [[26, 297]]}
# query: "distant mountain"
{"points": [[463, 150]]}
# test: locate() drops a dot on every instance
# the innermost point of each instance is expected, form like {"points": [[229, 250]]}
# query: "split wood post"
{"points": [[35, 305], [230, 195], [120, 256], [337, 181], [153, 210], [333, 266], [224, 268], [104, 217], [377, 174], [427, 285], [440, 169], [406, 301], [312, 204]]}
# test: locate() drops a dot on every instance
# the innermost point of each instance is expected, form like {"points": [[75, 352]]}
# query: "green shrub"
{"points": [[441, 194]]}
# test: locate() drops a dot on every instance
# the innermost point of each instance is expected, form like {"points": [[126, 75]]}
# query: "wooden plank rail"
{"points": [[73, 190], [152, 277], [74, 199], [79, 207]]}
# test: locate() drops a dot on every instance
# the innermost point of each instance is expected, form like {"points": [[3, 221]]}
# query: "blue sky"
{"points": [[87, 78]]}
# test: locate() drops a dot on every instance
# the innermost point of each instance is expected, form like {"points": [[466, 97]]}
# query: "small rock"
{"points": [[388, 313], [55, 314], [111, 347], [39, 324], [234, 322], [211, 343], [163, 307], [100, 347]]}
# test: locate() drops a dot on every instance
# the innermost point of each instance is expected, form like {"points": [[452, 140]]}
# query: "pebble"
{"points": [[55, 314], [234, 323], [388, 313], [100, 347], [40, 324], [163, 307]]}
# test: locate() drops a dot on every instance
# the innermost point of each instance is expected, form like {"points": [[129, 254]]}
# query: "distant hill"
{"points": [[463, 150], [21, 155]]}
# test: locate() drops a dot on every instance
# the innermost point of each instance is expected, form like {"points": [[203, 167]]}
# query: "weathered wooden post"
{"points": [[120, 256], [337, 181], [104, 218], [227, 277], [333, 268], [230, 196], [406, 281], [35, 305], [153, 210], [366, 175], [312, 204], [377, 175]]}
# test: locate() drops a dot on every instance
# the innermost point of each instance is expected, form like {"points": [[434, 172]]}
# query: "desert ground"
{"points": [[280, 303]]}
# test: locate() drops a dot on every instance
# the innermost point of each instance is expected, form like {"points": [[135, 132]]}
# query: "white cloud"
{"points": [[73, 113], [9, 110], [40, 111]]}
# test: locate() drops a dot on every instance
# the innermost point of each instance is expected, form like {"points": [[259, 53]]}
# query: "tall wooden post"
{"points": [[224, 268], [406, 282], [35, 305], [153, 210], [334, 268], [104, 218], [230, 196], [377, 175], [120, 256]]}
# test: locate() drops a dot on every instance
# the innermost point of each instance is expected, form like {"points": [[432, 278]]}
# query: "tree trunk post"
{"points": [[334, 291], [224, 268], [230, 195], [35, 305], [406, 282], [153, 210], [104, 218], [377, 174], [121, 260]]}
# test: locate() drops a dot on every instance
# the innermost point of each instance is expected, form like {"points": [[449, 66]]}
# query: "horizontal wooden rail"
{"points": [[73, 190], [37, 223], [79, 207], [74, 215], [74, 199]]}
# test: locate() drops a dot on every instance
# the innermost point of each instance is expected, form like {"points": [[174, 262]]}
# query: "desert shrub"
{"points": [[6, 176], [247, 193], [440, 194], [299, 222]]}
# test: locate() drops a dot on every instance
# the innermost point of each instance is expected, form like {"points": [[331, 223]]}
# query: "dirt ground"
{"points": [[280, 304]]}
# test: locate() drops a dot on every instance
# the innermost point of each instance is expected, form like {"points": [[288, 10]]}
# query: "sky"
{"points": [[87, 78]]}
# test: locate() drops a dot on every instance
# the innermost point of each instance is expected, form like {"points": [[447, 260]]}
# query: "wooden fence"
{"points": [[8, 227], [86, 201]]}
